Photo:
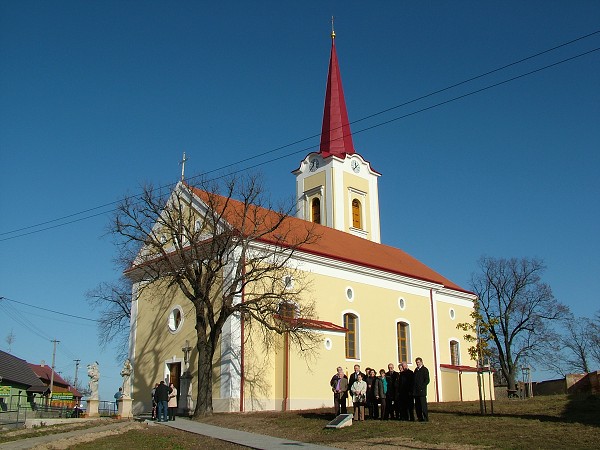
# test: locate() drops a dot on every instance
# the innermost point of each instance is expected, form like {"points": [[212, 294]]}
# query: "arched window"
{"points": [[402, 330], [356, 213], [316, 210], [287, 310], [454, 353], [350, 322]]}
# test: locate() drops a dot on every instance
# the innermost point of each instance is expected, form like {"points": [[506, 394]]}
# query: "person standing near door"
{"points": [[172, 404], [162, 400]]}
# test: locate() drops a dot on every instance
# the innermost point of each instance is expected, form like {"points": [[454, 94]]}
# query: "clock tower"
{"points": [[336, 186]]}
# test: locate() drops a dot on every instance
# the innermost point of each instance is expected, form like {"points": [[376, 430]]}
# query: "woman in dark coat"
{"points": [[370, 380]]}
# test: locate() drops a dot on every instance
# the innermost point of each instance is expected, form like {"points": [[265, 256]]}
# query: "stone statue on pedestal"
{"points": [[126, 374], [186, 404], [186, 355], [94, 374]]}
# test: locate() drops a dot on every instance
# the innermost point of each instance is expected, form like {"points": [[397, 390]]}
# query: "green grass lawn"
{"points": [[543, 422]]}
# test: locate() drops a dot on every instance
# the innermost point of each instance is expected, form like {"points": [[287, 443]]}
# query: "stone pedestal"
{"points": [[186, 404], [92, 407], [124, 409]]}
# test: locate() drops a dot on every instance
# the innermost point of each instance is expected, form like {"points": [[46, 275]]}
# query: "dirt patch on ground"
{"points": [[91, 434], [61, 428]]}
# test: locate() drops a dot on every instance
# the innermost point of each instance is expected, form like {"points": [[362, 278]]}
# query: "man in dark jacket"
{"points": [[407, 378], [354, 375], [161, 394], [421, 380], [339, 386], [391, 377]]}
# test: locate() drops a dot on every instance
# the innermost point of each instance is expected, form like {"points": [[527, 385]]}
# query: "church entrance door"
{"points": [[174, 374]]}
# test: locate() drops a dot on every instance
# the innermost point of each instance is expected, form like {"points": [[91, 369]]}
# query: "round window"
{"points": [[401, 303], [288, 282], [175, 319], [350, 294], [328, 344], [452, 313]]}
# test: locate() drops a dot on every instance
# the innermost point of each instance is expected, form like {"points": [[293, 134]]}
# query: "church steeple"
{"points": [[336, 137], [337, 187]]}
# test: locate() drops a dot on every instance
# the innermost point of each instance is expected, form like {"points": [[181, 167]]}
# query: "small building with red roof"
{"points": [[60, 391]]}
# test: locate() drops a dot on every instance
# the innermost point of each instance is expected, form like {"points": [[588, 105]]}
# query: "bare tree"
{"points": [[516, 308], [114, 302], [10, 339], [577, 343], [595, 338], [582, 344], [84, 390], [213, 242], [573, 350]]}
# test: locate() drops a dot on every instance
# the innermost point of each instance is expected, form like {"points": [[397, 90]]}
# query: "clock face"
{"points": [[314, 164], [355, 166]]}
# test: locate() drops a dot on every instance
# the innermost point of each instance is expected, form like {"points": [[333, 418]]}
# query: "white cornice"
{"points": [[369, 272], [324, 265], [456, 296]]}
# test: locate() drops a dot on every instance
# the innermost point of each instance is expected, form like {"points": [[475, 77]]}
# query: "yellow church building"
{"points": [[374, 304]]}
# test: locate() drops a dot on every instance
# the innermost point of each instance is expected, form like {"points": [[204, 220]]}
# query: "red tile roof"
{"points": [[44, 373], [329, 242], [462, 368], [314, 324]]}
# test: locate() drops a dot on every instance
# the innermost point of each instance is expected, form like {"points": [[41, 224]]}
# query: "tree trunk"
{"points": [[204, 406], [511, 378]]}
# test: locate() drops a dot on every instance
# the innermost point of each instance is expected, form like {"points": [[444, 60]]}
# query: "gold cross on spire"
{"points": [[332, 30]]}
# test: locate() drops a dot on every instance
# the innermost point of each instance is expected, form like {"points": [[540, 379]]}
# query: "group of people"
{"points": [[389, 395], [164, 402]]}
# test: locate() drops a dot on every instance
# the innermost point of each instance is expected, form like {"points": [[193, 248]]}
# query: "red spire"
{"points": [[336, 137]]}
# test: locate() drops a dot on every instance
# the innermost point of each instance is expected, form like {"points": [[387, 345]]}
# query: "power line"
{"points": [[48, 310], [258, 155], [16, 317], [19, 318], [69, 321]]}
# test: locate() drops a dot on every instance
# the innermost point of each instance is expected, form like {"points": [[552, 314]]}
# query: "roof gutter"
{"points": [[286, 387], [435, 356], [242, 352]]}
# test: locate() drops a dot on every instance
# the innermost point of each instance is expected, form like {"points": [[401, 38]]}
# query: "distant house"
{"points": [[19, 385], [63, 394]]}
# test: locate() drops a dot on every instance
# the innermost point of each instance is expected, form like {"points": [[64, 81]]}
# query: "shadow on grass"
{"points": [[327, 416], [578, 409], [583, 409]]}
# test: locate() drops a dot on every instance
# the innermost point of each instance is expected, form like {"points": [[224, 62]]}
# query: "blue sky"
{"points": [[97, 98]]}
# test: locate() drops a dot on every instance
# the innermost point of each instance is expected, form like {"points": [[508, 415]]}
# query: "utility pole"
{"points": [[77, 361], [52, 374]]}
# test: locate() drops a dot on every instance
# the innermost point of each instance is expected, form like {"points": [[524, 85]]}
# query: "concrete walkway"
{"points": [[252, 440]]}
